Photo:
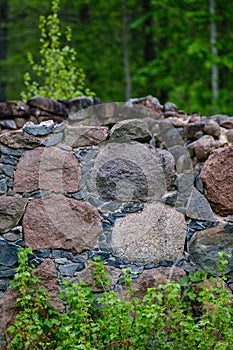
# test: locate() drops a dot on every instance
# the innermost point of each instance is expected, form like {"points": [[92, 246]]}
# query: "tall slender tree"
{"points": [[126, 50], [214, 68], [3, 45]]}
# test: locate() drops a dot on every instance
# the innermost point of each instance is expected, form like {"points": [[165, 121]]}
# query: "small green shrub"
{"points": [[57, 74], [195, 313]]}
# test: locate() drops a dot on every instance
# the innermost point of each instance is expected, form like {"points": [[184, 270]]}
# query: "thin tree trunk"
{"points": [[126, 51], [214, 70], [3, 45]]}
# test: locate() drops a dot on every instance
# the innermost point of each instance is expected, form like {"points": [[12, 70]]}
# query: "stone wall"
{"points": [[140, 185]]}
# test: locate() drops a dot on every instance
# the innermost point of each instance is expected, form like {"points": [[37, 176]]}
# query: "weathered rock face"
{"points": [[217, 176], [130, 130], [14, 109], [20, 139], [11, 211], [49, 169], [48, 105], [156, 234], [127, 171], [47, 273], [203, 147], [198, 207], [61, 222], [151, 279], [205, 246], [72, 191], [80, 136], [87, 276]]}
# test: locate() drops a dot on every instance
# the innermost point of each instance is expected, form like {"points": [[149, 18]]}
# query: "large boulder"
{"points": [[217, 176], [128, 171], [47, 169], [61, 222], [206, 245], [154, 235]]}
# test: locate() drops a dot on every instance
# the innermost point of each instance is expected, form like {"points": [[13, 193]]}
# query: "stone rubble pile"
{"points": [[139, 184]]}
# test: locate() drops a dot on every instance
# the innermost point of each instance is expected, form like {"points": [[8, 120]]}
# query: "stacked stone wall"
{"points": [[141, 185]]}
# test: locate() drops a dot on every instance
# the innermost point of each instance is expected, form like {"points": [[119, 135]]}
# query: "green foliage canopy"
{"points": [[168, 42]]}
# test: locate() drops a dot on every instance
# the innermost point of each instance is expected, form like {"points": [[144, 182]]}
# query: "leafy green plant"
{"points": [[57, 74], [37, 319], [195, 313]]}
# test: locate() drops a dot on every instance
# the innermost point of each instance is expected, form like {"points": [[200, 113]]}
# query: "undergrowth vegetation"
{"points": [[195, 313]]}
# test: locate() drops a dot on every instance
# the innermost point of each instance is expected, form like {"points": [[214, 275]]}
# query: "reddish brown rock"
{"points": [[152, 278], [87, 276], [11, 211], [61, 222], [47, 273], [20, 139], [80, 136], [47, 169], [217, 176], [8, 311]]}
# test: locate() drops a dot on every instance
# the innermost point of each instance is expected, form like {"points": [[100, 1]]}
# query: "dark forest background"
{"points": [[180, 51]]}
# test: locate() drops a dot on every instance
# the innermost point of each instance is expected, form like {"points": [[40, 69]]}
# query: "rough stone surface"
{"points": [[152, 278], [61, 222], [148, 103], [47, 169], [198, 207], [185, 185], [46, 271], [7, 311], [203, 147], [227, 124], [212, 128], [217, 176], [182, 158], [11, 211], [13, 109], [206, 244], [80, 136], [167, 162], [48, 105], [229, 135], [8, 253], [130, 130], [42, 129], [156, 234], [127, 172], [88, 277], [20, 139], [193, 131]]}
